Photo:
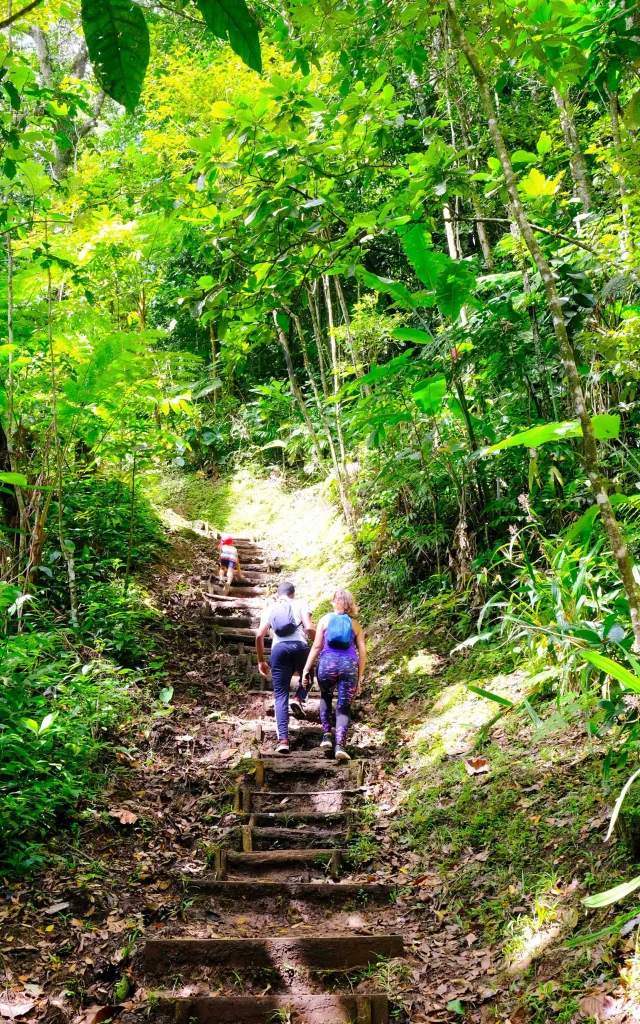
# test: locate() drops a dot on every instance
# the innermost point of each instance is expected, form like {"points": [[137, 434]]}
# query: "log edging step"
{"points": [[329, 892], [313, 952], [329, 1008]]}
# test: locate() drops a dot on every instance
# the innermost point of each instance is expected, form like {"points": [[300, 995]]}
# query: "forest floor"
{"points": [[491, 851]]}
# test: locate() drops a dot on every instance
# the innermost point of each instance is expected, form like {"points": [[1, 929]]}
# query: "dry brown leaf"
{"points": [[124, 816], [11, 1009], [476, 765], [226, 754], [55, 908], [591, 1004]]}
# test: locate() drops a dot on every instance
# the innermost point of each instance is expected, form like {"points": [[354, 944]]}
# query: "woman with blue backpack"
{"points": [[340, 645]]}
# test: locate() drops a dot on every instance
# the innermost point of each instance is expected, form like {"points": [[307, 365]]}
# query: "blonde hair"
{"points": [[346, 601]]}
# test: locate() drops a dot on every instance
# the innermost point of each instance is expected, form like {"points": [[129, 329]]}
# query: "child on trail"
{"points": [[290, 623], [229, 562], [343, 657]]}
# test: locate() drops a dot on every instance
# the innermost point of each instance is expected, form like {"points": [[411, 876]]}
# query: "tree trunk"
{"points": [[297, 393], [625, 241], [596, 478], [326, 283], [347, 507], [317, 333], [214, 357], [579, 171], [11, 448]]}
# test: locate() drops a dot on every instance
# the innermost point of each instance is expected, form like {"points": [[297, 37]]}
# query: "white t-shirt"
{"points": [[298, 609]]}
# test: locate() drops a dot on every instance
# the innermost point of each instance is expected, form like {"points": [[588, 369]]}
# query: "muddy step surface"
{"points": [[317, 953], [305, 1009]]}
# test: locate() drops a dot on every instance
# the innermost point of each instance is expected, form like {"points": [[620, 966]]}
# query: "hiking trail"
{"points": [[280, 871]]}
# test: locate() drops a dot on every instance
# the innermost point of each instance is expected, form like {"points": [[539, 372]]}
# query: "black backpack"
{"points": [[282, 620]]}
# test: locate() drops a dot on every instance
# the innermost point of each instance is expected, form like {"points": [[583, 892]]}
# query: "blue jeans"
{"points": [[287, 657]]}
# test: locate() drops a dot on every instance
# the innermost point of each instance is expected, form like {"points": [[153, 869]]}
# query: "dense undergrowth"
{"points": [[66, 691]]}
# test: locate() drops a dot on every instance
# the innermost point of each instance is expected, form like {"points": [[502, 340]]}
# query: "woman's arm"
{"points": [[315, 650], [362, 653]]}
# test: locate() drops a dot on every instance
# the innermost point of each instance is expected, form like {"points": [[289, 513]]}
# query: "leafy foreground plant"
{"points": [[57, 717]]}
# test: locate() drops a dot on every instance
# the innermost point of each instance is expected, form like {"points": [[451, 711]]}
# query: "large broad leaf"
{"points": [[604, 899], [397, 291], [619, 672], [454, 288], [411, 334], [604, 427], [428, 394], [427, 264], [118, 43], [230, 19]]}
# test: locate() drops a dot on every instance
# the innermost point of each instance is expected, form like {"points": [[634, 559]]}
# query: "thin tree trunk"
{"points": [[543, 383], [579, 171], [334, 363], [347, 507], [317, 333], [596, 478], [356, 355], [212, 337], [11, 448], [132, 514], [625, 241], [66, 548], [297, 393]]}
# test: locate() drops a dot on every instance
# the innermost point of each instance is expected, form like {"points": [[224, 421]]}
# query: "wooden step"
{"points": [[326, 1008], [283, 838], [327, 893], [283, 820], [320, 801], [316, 953], [256, 864]]}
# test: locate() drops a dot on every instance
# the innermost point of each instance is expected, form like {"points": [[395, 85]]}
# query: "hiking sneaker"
{"points": [[327, 741], [298, 708], [341, 754], [283, 747], [226, 589]]}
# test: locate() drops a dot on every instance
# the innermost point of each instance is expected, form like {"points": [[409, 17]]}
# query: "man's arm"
{"points": [[263, 666], [307, 622]]}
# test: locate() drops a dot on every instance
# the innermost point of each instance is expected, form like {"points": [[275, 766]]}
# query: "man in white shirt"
{"points": [[291, 626]]}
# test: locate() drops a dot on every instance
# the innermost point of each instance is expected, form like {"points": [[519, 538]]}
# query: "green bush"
{"points": [[56, 715]]}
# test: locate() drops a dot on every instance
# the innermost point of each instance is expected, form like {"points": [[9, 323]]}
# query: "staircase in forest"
{"points": [[312, 946]]}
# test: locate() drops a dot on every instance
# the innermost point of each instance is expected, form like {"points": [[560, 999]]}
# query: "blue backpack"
{"points": [[339, 631]]}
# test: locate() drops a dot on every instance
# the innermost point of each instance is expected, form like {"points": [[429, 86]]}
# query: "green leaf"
{"points": [[490, 696], [427, 264], [616, 810], [411, 334], [283, 322], [455, 1006], [604, 899], [30, 723], [632, 112], [19, 479], [230, 19], [604, 427], [118, 43], [396, 290], [521, 156], [428, 394], [166, 694], [544, 143], [619, 672], [454, 288], [48, 721]]}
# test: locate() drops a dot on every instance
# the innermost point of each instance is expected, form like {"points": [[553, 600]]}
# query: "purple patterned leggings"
{"points": [[337, 670]]}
